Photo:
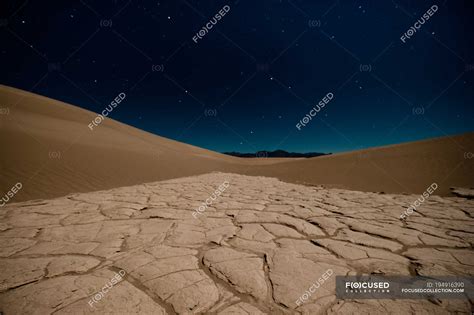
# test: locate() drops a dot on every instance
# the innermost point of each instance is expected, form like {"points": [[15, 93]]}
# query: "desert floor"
{"points": [[256, 249]]}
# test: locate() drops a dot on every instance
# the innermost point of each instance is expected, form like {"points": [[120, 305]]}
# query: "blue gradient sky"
{"points": [[246, 84]]}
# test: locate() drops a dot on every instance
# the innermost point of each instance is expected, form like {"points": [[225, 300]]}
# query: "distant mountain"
{"points": [[276, 154]]}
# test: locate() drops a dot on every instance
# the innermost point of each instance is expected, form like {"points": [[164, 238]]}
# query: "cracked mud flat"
{"points": [[255, 250]]}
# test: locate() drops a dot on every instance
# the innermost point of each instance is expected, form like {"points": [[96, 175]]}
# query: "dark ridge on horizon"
{"points": [[276, 154]]}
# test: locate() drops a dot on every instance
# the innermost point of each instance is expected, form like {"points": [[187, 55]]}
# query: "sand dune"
{"points": [[403, 168], [52, 140], [48, 147]]}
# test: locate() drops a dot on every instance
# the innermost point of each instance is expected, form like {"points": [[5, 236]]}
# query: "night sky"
{"points": [[246, 84]]}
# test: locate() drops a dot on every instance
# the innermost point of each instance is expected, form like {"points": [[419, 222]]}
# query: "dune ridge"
{"points": [[48, 147]]}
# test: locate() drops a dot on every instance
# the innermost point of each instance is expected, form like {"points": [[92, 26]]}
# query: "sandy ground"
{"points": [[48, 147], [255, 250]]}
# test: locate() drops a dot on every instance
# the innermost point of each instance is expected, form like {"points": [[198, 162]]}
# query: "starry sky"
{"points": [[261, 68]]}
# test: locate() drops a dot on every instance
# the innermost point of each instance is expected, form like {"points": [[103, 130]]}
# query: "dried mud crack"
{"points": [[255, 250]]}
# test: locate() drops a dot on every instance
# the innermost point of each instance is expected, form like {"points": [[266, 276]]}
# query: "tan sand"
{"points": [[403, 168], [48, 147]]}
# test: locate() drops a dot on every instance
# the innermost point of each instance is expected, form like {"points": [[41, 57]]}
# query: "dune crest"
{"points": [[49, 148]]}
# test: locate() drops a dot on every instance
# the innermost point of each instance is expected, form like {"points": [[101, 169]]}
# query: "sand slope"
{"points": [[52, 140], [47, 145], [403, 168]]}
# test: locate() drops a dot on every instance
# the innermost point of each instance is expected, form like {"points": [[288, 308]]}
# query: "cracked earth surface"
{"points": [[255, 250]]}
